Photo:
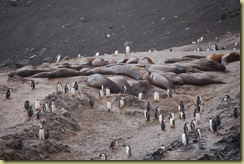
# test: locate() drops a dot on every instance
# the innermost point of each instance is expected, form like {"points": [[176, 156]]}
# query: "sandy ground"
{"points": [[99, 127]]}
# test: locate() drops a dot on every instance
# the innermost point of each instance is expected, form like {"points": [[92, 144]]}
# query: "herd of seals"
{"points": [[161, 75]]}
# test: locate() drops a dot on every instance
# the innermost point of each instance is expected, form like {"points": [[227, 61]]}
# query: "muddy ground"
{"points": [[78, 132]]}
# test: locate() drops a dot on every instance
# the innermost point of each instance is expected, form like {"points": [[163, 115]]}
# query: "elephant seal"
{"points": [[160, 81], [98, 80], [176, 80], [191, 80], [166, 68], [145, 60], [121, 82], [132, 60], [234, 56], [207, 65], [40, 75], [98, 62], [101, 70], [27, 72], [122, 70], [215, 57], [64, 72]]}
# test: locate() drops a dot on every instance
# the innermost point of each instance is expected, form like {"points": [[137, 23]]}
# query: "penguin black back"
{"points": [[19, 144], [91, 102], [46, 134], [32, 84], [113, 144], [235, 113], [217, 120], [8, 93], [163, 126], [182, 106], [27, 105], [157, 113], [185, 128], [75, 85], [30, 112]]}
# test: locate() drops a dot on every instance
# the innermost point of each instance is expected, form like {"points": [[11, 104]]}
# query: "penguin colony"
{"points": [[193, 126]]}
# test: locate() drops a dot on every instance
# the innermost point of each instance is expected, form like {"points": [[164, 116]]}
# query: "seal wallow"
{"points": [[98, 80], [160, 81]]}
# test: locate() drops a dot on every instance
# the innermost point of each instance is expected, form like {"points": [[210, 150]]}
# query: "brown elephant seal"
{"points": [[227, 58], [64, 72], [191, 80], [98, 62], [98, 80], [176, 80], [123, 70], [121, 82], [29, 71], [160, 81], [215, 57], [207, 65], [145, 60], [122, 61], [40, 75]]}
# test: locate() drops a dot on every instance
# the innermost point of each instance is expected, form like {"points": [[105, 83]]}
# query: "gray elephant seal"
{"points": [[98, 80], [64, 72], [26, 72], [176, 80], [121, 82], [160, 81], [99, 62], [191, 80], [166, 68]]}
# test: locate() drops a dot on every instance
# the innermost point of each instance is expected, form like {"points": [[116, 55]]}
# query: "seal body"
{"points": [[160, 81]]}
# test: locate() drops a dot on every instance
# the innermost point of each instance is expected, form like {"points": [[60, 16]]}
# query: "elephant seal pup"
{"points": [[227, 58], [98, 80], [160, 81], [64, 72], [191, 80], [121, 82]]}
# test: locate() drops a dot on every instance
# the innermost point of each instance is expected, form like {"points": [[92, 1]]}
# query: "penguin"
{"points": [[116, 52], [58, 58], [182, 115], [45, 107], [53, 107], [32, 84], [235, 112], [193, 124], [199, 49], [185, 127], [201, 39], [107, 92], [157, 113], [27, 105], [217, 120], [196, 110], [172, 122], [148, 106], [163, 125], [75, 85], [198, 134], [101, 93], [169, 92], [216, 39], [19, 144], [91, 102], [160, 118], [103, 156], [66, 88], [212, 125], [37, 105], [199, 100], [198, 117], [181, 106], [225, 98], [30, 111], [124, 89], [38, 115], [113, 144], [8, 93], [184, 139], [147, 115], [59, 87], [121, 102], [41, 134], [128, 150], [72, 91], [140, 96], [97, 54], [109, 106], [215, 47], [46, 134], [171, 115], [236, 43], [127, 50], [156, 96]]}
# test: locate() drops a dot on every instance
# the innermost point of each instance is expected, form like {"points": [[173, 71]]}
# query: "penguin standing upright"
{"points": [[37, 105], [101, 93], [193, 124], [198, 134], [124, 89], [169, 92], [53, 108], [217, 120], [109, 106], [66, 88], [41, 133], [32, 84], [184, 139], [140, 96], [212, 125], [160, 118], [185, 128], [157, 113], [198, 117], [172, 122], [91, 102], [75, 85], [121, 102], [156, 96], [171, 115], [199, 100], [59, 87], [127, 50], [30, 111], [107, 92], [182, 115], [163, 125], [103, 156], [148, 106], [128, 150], [113, 144], [27, 105], [72, 91], [147, 115], [235, 112], [8, 93], [38, 115], [181, 106], [46, 134]]}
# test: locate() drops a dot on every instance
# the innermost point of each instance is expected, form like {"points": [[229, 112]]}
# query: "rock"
{"points": [[22, 63]]}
